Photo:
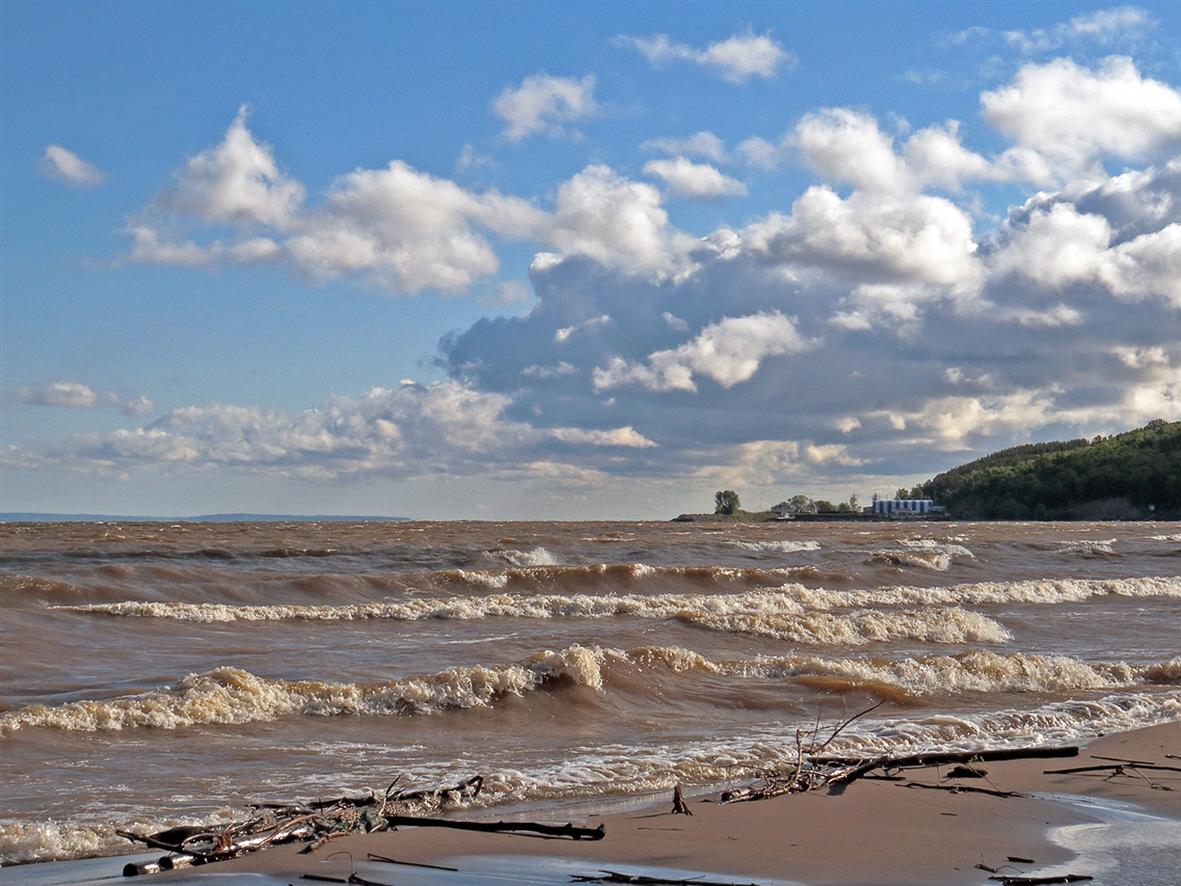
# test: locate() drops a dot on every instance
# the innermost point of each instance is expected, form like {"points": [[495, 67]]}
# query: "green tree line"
{"points": [[1133, 474]]}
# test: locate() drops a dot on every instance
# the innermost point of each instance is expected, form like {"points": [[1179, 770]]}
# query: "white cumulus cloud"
{"points": [[729, 351], [1063, 117], [235, 182], [543, 103], [63, 165], [697, 180], [76, 395], [408, 230], [736, 59]]}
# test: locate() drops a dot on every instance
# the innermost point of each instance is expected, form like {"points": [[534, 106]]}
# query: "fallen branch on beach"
{"points": [[319, 821], [1127, 769], [1114, 768], [962, 789], [501, 827], [1038, 881]]}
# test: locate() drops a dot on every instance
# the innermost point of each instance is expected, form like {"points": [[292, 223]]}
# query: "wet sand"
{"points": [[876, 832]]}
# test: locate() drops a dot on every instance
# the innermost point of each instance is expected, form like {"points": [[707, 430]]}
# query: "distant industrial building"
{"points": [[905, 507]]}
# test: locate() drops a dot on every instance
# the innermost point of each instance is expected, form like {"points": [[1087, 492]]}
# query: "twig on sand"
{"points": [[373, 856]]}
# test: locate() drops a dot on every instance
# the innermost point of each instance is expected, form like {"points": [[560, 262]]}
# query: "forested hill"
{"points": [[1129, 475]]}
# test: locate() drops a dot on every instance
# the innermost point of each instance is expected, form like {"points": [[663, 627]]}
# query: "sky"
{"points": [[565, 261]]}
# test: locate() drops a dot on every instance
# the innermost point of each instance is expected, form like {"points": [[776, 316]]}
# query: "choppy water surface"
{"points": [[152, 673]]}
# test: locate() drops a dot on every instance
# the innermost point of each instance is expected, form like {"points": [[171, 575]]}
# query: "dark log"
{"points": [[937, 759], [1039, 881], [500, 827], [942, 758]]}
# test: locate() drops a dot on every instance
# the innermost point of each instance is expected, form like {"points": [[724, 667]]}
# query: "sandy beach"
{"points": [[875, 832]]}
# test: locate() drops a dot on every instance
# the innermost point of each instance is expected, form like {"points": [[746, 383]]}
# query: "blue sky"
{"points": [[217, 290]]}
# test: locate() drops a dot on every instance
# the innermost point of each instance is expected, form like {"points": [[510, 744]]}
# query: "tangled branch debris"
{"points": [[316, 822]]}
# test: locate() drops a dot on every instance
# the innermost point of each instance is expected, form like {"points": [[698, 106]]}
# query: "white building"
{"points": [[903, 507]]}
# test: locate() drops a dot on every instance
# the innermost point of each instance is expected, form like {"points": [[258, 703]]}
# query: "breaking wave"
{"points": [[760, 607], [229, 695], [595, 575], [490, 606], [1047, 591], [781, 547], [940, 561], [942, 547], [1089, 548], [976, 671], [232, 696], [538, 556], [783, 614], [952, 625]]}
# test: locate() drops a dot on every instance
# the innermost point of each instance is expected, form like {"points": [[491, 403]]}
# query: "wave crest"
{"points": [[230, 695]]}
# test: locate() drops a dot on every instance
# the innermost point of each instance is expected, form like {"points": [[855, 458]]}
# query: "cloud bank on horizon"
{"points": [[877, 319]]}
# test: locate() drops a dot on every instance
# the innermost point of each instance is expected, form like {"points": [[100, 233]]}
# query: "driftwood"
{"points": [[1122, 760], [1128, 770], [1112, 768], [317, 822], [500, 827], [813, 770], [919, 761], [943, 758], [962, 789], [606, 876], [373, 856], [1038, 881]]}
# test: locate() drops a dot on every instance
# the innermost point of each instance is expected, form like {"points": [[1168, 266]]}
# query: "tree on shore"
{"points": [[726, 502], [801, 504]]}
